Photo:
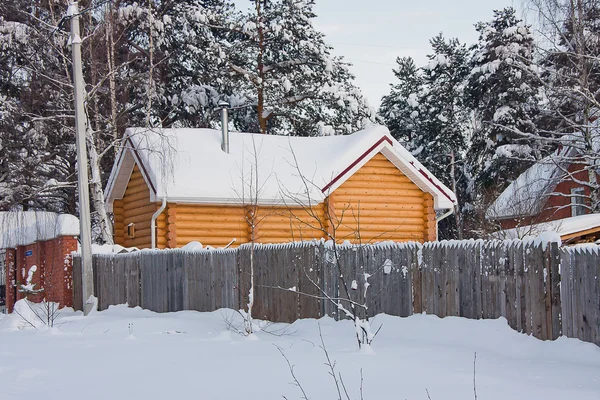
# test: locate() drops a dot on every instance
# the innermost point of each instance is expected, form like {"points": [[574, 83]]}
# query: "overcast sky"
{"points": [[372, 33]]}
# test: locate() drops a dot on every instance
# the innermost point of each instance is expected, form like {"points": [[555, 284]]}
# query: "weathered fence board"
{"points": [[540, 289]]}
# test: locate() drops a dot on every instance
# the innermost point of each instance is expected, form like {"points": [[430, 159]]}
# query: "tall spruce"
{"points": [[294, 84], [503, 91], [443, 117], [399, 107]]}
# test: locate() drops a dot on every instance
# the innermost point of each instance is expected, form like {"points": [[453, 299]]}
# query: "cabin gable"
{"points": [[133, 214], [379, 202]]}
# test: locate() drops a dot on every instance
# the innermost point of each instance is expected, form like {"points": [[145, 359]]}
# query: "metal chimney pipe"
{"points": [[224, 126]]}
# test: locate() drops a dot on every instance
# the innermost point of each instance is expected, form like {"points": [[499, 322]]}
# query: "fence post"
{"points": [[553, 300]]}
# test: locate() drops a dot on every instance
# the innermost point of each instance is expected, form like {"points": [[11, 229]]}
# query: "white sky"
{"points": [[372, 33]]}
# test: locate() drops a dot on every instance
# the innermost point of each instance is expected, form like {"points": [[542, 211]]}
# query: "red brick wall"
{"points": [[54, 271], [11, 259], [556, 207]]}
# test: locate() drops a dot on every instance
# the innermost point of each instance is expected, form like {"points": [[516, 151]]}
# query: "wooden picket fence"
{"points": [[540, 289]]}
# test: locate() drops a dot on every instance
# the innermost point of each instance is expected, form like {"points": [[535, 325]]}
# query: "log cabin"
{"points": [[170, 187]]}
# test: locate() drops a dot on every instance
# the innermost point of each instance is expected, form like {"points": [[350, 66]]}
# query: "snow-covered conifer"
{"points": [[399, 108]]}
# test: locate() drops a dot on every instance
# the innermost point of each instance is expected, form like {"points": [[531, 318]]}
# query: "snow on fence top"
{"points": [[18, 228], [188, 165]]}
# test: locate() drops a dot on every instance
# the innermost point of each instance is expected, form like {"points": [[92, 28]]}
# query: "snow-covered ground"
{"points": [[126, 353]]}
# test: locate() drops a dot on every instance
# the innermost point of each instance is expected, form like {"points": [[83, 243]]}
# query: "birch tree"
{"points": [[571, 83]]}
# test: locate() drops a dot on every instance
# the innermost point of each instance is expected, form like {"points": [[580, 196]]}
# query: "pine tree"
{"points": [[503, 92], [175, 69], [441, 108], [293, 82], [571, 85], [399, 108]]}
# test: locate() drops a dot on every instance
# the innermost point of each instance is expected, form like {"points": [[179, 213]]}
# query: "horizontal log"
{"points": [[199, 208], [382, 221], [364, 176], [279, 240], [391, 185], [394, 214], [134, 188], [368, 170], [209, 217], [140, 232], [203, 225], [212, 232], [128, 198], [215, 241], [375, 229], [287, 227], [137, 188], [141, 242], [380, 201], [138, 204], [136, 176], [137, 215], [380, 164], [378, 191], [388, 207], [139, 225], [288, 238]]}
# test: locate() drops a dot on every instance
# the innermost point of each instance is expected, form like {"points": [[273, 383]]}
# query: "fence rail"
{"points": [[541, 289]]}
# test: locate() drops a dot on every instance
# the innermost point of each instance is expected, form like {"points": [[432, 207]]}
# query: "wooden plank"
{"points": [[485, 281], [555, 283], [510, 290], [566, 282], [417, 281], [594, 263], [503, 270], [441, 267], [454, 310], [588, 311]]}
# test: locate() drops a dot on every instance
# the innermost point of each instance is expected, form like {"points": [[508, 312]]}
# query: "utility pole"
{"points": [[85, 230]]}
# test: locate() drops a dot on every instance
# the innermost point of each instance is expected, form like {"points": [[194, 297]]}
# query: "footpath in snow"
{"points": [[130, 353]]}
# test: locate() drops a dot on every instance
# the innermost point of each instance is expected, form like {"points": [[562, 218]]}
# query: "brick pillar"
{"points": [[67, 245], [11, 278], [58, 270]]}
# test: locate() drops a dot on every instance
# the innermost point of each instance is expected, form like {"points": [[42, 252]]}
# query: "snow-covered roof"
{"points": [[19, 228], [564, 227], [526, 195], [188, 166]]}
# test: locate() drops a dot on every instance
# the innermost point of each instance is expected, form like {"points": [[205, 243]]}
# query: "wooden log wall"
{"points": [[380, 203], [377, 203], [541, 290], [135, 208]]}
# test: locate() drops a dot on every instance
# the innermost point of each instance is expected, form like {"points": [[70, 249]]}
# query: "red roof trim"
{"points": [[359, 159], [139, 161], [432, 182]]}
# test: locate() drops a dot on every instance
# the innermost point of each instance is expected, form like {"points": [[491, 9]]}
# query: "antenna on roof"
{"points": [[224, 126]]}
